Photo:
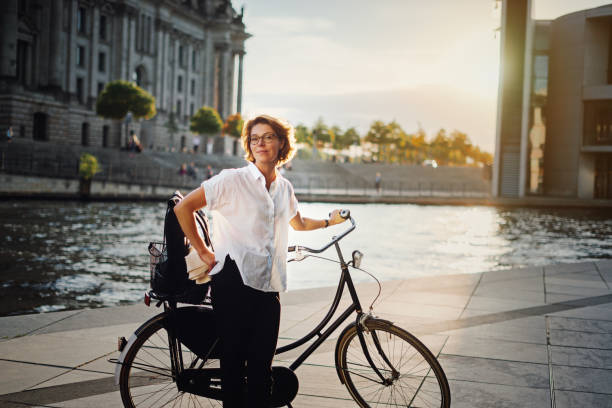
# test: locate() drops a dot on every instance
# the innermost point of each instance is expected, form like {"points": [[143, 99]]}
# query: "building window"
{"points": [[603, 177], [40, 126], [85, 134], [105, 135], [79, 89], [179, 83], [22, 62], [101, 86], [193, 59], [178, 109], [22, 7], [22, 131], [610, 56], [191, 107], [598, 123], [181, 56], [138, 76], [102, 28], [81, 20], [102, 62], [80, 56], [193, 87], [540, 75], [148, 39]]}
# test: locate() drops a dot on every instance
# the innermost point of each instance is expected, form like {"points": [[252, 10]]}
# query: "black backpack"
{"points": [[168, 269]]}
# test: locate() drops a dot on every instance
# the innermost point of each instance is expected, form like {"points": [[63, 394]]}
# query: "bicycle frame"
{"points": [[345, 280]]}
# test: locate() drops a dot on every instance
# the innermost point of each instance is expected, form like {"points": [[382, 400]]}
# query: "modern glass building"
{"points": [[554, 127]]}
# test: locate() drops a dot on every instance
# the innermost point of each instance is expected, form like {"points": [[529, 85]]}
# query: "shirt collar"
{"points": [[256, 173]]}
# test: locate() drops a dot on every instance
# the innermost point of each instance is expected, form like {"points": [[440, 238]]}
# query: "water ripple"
{"points": [[69, 255]]}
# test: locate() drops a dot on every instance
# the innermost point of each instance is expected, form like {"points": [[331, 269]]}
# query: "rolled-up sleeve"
{"points": [[214, 189], [293, 203]]}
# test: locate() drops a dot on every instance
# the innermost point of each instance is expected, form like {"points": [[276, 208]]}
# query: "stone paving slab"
{"points": [[498, 335]]}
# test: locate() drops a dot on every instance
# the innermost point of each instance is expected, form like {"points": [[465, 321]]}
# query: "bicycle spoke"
{"points": [[147, 379], [404, 363]]}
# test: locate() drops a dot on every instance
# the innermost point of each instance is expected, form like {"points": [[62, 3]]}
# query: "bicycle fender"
{"points": [[131, 341], [346, 329]]}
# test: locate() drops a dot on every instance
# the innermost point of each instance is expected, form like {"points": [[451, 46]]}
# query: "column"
{"points": [[55, 52], [158, 74], [93, 59], [71, 60], [8, 33], [239, 90], [123, 45], [131, 46]]}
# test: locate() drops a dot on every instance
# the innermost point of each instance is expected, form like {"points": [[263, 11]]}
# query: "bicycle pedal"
{"points": [[121, 342]]}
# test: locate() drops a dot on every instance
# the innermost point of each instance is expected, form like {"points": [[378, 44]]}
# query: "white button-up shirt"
{"points": [[250, 224]]}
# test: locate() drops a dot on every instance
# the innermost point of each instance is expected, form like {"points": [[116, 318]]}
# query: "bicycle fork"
{"points": [[361, 328]]}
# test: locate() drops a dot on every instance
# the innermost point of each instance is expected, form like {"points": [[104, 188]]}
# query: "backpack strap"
{"points": [[200, 217]]}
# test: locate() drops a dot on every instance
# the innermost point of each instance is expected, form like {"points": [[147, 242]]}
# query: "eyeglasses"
{"points": [[267, 138]]}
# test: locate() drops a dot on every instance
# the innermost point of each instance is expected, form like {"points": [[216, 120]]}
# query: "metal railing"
{"points": [[126, 169], [318, 185], [27, 164]]}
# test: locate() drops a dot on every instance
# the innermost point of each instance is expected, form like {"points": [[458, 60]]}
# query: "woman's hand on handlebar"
{"points": [[335, 216]]}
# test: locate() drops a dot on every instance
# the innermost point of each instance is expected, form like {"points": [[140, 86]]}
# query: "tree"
{"points": [[206, 121], [439, 147], [303, 135], [384, 135], [120, 97], [321, 132], [233, 125], [460, 148], [346, 139]]}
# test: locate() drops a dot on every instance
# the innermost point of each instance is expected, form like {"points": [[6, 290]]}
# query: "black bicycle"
{"points": [[172, 360]]}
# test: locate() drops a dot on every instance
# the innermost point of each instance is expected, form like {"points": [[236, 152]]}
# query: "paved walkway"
{"points": [[532, 337]]}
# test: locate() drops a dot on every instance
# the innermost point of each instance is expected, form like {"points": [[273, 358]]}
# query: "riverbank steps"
{"points": [[530, 337]]}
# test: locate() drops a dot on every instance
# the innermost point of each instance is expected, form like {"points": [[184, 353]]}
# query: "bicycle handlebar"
{"points": [[346, 214]]}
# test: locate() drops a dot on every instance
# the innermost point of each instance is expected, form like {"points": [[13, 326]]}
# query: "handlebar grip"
{"points": [[291, 248], [346, 213]]}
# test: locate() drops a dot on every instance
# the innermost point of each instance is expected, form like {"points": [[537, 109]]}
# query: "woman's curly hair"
{"points": [[283, 130]]}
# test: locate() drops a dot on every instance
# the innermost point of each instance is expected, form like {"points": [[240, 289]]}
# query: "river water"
{"points": [[60, 255]]}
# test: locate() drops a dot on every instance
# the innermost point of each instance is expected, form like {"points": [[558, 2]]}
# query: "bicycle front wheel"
{"points": [[146, 378], [401, 371]]}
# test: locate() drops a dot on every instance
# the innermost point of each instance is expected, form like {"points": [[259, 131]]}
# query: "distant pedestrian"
{"points": [[183, 169], [191, 170], [9, 134], [378, 182], [196, 143], [134, 144], [209, 172]]}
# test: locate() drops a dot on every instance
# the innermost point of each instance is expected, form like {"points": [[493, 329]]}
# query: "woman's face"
{"points": [[264, 144]]}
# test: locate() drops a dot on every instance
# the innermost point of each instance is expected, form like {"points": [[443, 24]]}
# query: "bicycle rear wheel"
{"points": [[146, 374], [412, 377]]}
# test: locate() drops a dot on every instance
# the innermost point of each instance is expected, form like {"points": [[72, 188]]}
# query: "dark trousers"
{"points": [[247, 322]]}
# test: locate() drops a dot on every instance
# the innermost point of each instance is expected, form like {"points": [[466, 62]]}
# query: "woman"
{"points": [[253, 207]]}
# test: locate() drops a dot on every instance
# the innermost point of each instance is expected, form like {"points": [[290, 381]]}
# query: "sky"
{"points": [[426, 64]]}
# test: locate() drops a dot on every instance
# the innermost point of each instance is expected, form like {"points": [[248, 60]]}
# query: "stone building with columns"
{"points": [[57, 55]]}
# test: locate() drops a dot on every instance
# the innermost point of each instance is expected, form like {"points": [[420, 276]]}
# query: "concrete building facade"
{"points": [[56, 56], [554, 128]]}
